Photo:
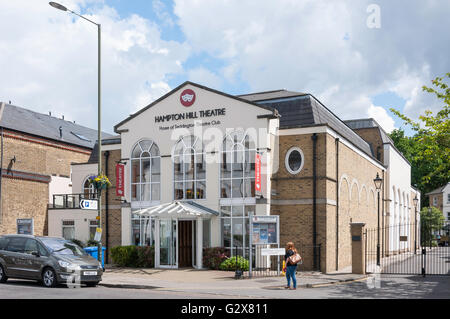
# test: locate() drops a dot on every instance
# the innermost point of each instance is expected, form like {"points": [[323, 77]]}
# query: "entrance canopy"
{"points": [[178, 209]]}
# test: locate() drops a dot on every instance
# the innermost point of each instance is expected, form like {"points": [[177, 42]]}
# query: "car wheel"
{"points": [[49, 278], [92, 284], [3, 277]]}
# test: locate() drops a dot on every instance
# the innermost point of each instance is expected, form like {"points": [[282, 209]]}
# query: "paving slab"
{"points": [[217, 282]]}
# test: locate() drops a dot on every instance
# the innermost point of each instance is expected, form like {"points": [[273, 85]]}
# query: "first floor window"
{"points": [[294, 160], [68, 229]]}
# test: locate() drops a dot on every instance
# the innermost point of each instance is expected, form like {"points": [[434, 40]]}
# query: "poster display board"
{"points": [[265, 230], [25, 226]]}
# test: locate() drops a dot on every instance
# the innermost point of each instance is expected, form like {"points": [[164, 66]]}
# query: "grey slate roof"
{"points": [[369, 123], [300, 109], [437, 190], [106, 141], [43, 125], [276, 94]]}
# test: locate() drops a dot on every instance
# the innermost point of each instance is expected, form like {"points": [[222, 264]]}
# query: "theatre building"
{"points": [[197, 163]]}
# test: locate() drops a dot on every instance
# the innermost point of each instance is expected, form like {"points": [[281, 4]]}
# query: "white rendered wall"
{"points": [[79, 216], [399, 193], [59, 185], [80, 172]]}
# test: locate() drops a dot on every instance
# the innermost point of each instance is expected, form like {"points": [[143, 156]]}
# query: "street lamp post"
{"points": [[415, 200], [63, 8], [378, 181]]}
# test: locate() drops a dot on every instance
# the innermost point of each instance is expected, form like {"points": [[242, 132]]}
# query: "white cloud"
{"points": [[382, 117], [205, 77], [324, 47], [48, 60]]}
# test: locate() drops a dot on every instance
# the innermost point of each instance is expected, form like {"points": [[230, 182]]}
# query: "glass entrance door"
{"points": [[168, 243]]}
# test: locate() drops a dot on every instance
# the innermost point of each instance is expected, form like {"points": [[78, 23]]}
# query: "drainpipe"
{"points": [[337, 203], [106, 209], [314, 139]]}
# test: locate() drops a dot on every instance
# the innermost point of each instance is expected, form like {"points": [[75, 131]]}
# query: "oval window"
{"points": [[294, 160]]}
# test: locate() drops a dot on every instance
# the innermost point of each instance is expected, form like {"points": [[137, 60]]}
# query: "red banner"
{"points": [[120, 177], [257, 173]]}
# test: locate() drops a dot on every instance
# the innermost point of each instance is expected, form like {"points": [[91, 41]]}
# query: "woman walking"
{"points": [[290, 267]]}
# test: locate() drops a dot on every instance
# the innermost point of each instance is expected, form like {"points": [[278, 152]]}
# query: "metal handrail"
{"points": [[70, 201]]}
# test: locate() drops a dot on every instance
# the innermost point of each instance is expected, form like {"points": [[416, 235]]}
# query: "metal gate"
{"points": [[270, 266], [409, 249]]}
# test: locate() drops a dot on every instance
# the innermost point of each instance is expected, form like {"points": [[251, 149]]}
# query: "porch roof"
{"points": [[178, 209]]}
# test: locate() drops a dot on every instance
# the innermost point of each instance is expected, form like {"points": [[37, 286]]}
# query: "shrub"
{"points": [[146, 256], [133, 256], [230, 264], [91, 243], [77, 242], [213, 257], [125, 256]]}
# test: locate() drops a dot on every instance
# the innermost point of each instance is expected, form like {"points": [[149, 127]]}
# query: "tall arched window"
{"points": [[89, 190], [237, 177], [189, 169], [145, 172]]}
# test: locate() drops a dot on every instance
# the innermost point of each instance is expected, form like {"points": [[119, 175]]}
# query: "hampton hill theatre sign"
{"points": [[189, 115]]}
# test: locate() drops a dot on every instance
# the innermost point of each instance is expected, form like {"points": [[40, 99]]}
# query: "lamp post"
{"points": [[63, 8], [415, 200], [378, 181]]}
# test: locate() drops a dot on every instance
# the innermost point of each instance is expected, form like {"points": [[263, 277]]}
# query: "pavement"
{"points": [[218, 282]]}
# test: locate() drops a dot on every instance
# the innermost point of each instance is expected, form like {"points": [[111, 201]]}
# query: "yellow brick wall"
{"points": [[356, 198]]}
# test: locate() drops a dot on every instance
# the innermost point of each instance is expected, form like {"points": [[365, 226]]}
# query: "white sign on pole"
{"points": [[88, 204], [272, 251], [98, 234]]}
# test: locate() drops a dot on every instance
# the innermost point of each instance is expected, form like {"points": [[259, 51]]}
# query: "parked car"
{"points": [[49, 260]]}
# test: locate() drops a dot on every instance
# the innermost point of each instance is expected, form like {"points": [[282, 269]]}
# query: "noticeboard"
{"points": [[265, 230], [25, 226]]}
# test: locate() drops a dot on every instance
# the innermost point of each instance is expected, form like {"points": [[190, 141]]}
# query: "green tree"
{"points": [[429, 149], [432, 220]]}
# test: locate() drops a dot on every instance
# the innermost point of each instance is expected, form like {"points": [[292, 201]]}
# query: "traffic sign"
{"points": [[88, 204]]}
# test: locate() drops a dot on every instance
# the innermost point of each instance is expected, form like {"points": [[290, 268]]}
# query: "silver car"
{"points": [[49, 260]]}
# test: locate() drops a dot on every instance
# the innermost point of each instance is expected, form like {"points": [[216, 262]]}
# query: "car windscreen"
{"points": [[62, 247]]}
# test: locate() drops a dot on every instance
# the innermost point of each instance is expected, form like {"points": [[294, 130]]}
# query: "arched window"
{"points": [[237, 178], [89, 190], [189, 169], [145, 172]]}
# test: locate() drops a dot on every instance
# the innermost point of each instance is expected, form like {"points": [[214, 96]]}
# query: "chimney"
{"points": [[60, 132], [49, 113], [63, 117]]}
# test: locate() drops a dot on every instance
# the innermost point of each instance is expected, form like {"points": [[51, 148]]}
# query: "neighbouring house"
{"points": [[440, 198], [36, 155]]}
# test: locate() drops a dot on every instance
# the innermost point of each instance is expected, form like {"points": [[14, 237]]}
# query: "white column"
{"points": [[199, 242], [157, 243]]}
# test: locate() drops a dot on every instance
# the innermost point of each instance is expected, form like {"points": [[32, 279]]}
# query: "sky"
{"points": [[359, 58]]}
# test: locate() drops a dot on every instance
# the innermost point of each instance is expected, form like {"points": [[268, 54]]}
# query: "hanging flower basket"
{"points": [[100, 182]]}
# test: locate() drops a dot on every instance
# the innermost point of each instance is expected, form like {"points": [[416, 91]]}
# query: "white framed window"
{"points": [[189, 169], [237, 167], [435, 200], [93, 224], [294, 160], [68, 229], [142, 230], [145, 172], [448, 198], [89, 190], [235, 228]]}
